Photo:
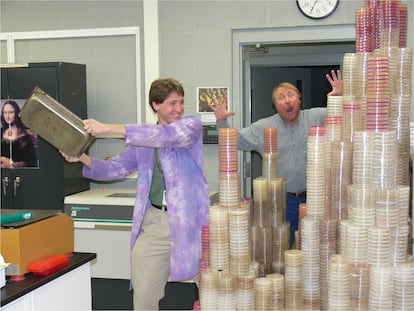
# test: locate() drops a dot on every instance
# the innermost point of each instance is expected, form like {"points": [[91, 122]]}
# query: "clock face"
{"points": [[317, 8]]}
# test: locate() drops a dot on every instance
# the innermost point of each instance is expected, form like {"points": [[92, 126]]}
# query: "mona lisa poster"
{"points": [[18, 144]]}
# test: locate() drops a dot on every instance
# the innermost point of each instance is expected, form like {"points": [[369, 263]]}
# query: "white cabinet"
{"points": [[71, 291]]}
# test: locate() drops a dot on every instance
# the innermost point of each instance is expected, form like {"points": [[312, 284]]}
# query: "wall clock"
{"points": [[317, 9]]}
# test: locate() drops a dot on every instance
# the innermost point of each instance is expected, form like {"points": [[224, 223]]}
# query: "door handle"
{"points": [[16, 184], [5, 182]]}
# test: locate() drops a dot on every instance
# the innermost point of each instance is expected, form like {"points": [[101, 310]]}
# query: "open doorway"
{"points": [[287, 49]]}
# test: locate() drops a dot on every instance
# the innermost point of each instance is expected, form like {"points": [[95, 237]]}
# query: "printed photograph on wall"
{"points": [[211, 95], [18, 144]]}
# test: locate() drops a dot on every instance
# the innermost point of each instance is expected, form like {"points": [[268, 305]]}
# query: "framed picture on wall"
{"points": [[207, 96]]}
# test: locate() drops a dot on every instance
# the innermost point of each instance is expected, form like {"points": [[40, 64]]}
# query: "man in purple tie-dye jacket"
{"points": [[172, 199]]}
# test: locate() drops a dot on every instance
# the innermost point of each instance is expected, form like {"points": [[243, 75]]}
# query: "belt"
{"points": [[163, 208], [297, 194]]}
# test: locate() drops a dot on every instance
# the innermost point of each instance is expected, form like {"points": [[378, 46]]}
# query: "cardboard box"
{"points": [[23, 245]]}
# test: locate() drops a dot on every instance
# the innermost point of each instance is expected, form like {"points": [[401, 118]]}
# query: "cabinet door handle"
{"points": [[5, 183], [16, 184]]}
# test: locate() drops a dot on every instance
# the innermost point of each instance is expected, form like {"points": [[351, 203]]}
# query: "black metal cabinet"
{"points": [[45, 187]]}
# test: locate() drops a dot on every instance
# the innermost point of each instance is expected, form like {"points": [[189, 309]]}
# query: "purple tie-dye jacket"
{"points": [[181, 157]]}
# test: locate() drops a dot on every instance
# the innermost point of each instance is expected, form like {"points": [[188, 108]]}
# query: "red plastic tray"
{"points": [[48, 265]]}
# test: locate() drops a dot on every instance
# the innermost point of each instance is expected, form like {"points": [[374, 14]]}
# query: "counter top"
{"points": [[16, 289]]}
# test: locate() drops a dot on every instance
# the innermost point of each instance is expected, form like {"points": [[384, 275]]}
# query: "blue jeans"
{"points": [[292, 213]]}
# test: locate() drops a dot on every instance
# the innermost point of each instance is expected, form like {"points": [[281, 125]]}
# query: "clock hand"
{"points": [[313, 6]]}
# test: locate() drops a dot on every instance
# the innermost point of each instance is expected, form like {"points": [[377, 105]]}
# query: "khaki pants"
{"points": [[150, 264]]}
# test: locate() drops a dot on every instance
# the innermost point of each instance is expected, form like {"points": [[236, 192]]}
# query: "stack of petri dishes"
{"points": [[403, 204], [261, 204], [356, 250], [334, 105], [403, 25], [281, 243], [219, 238], [278, 301], [245, 292], [277, 199], [209, 290], [378, 96], [316, 163], [205, 243], [293, 280], [379, 245], [264, 246], [351, 118], [390, 31], [359, 286], [364, 29], [310, 246], [362, 205], [341, 168], [226, 298], [362, 164], [302, 214], [342, 231], [263, 294], [327, 248], [229, 184], [239, 240], [339, 289], [381, 288], [399, 245], [403, 284], [269, 157], [387, 211], [383, 159], [333, 126]]}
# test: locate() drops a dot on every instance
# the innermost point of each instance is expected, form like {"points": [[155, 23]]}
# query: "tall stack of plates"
{"points": [[334, 105], [352, 119], [327, 248], [219, 238], [339, 289], [364, 29], [245, 292], [310, 263], [261, 204], [359, 285], [378, 96], [381, 288], [403, 204], [403, 25], [263, 294], [333, 126], [277, 199], [229, 184], [269, 157], [379, 245], [356, 244], [226, 292], [383, 159], [293, 280], [390, 31], [399, 245], [278, 291], [209, 290], [281, 243], [403, 283], [239, 240], [341, 165], [316, 163], [362, 205], [362, 159]]}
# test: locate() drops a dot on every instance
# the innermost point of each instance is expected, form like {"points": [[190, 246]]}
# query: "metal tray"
{"points": [[55, 123]]}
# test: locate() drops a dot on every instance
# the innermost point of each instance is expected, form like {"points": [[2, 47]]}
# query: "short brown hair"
{"points": [[289, 86], [162, 88]]}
